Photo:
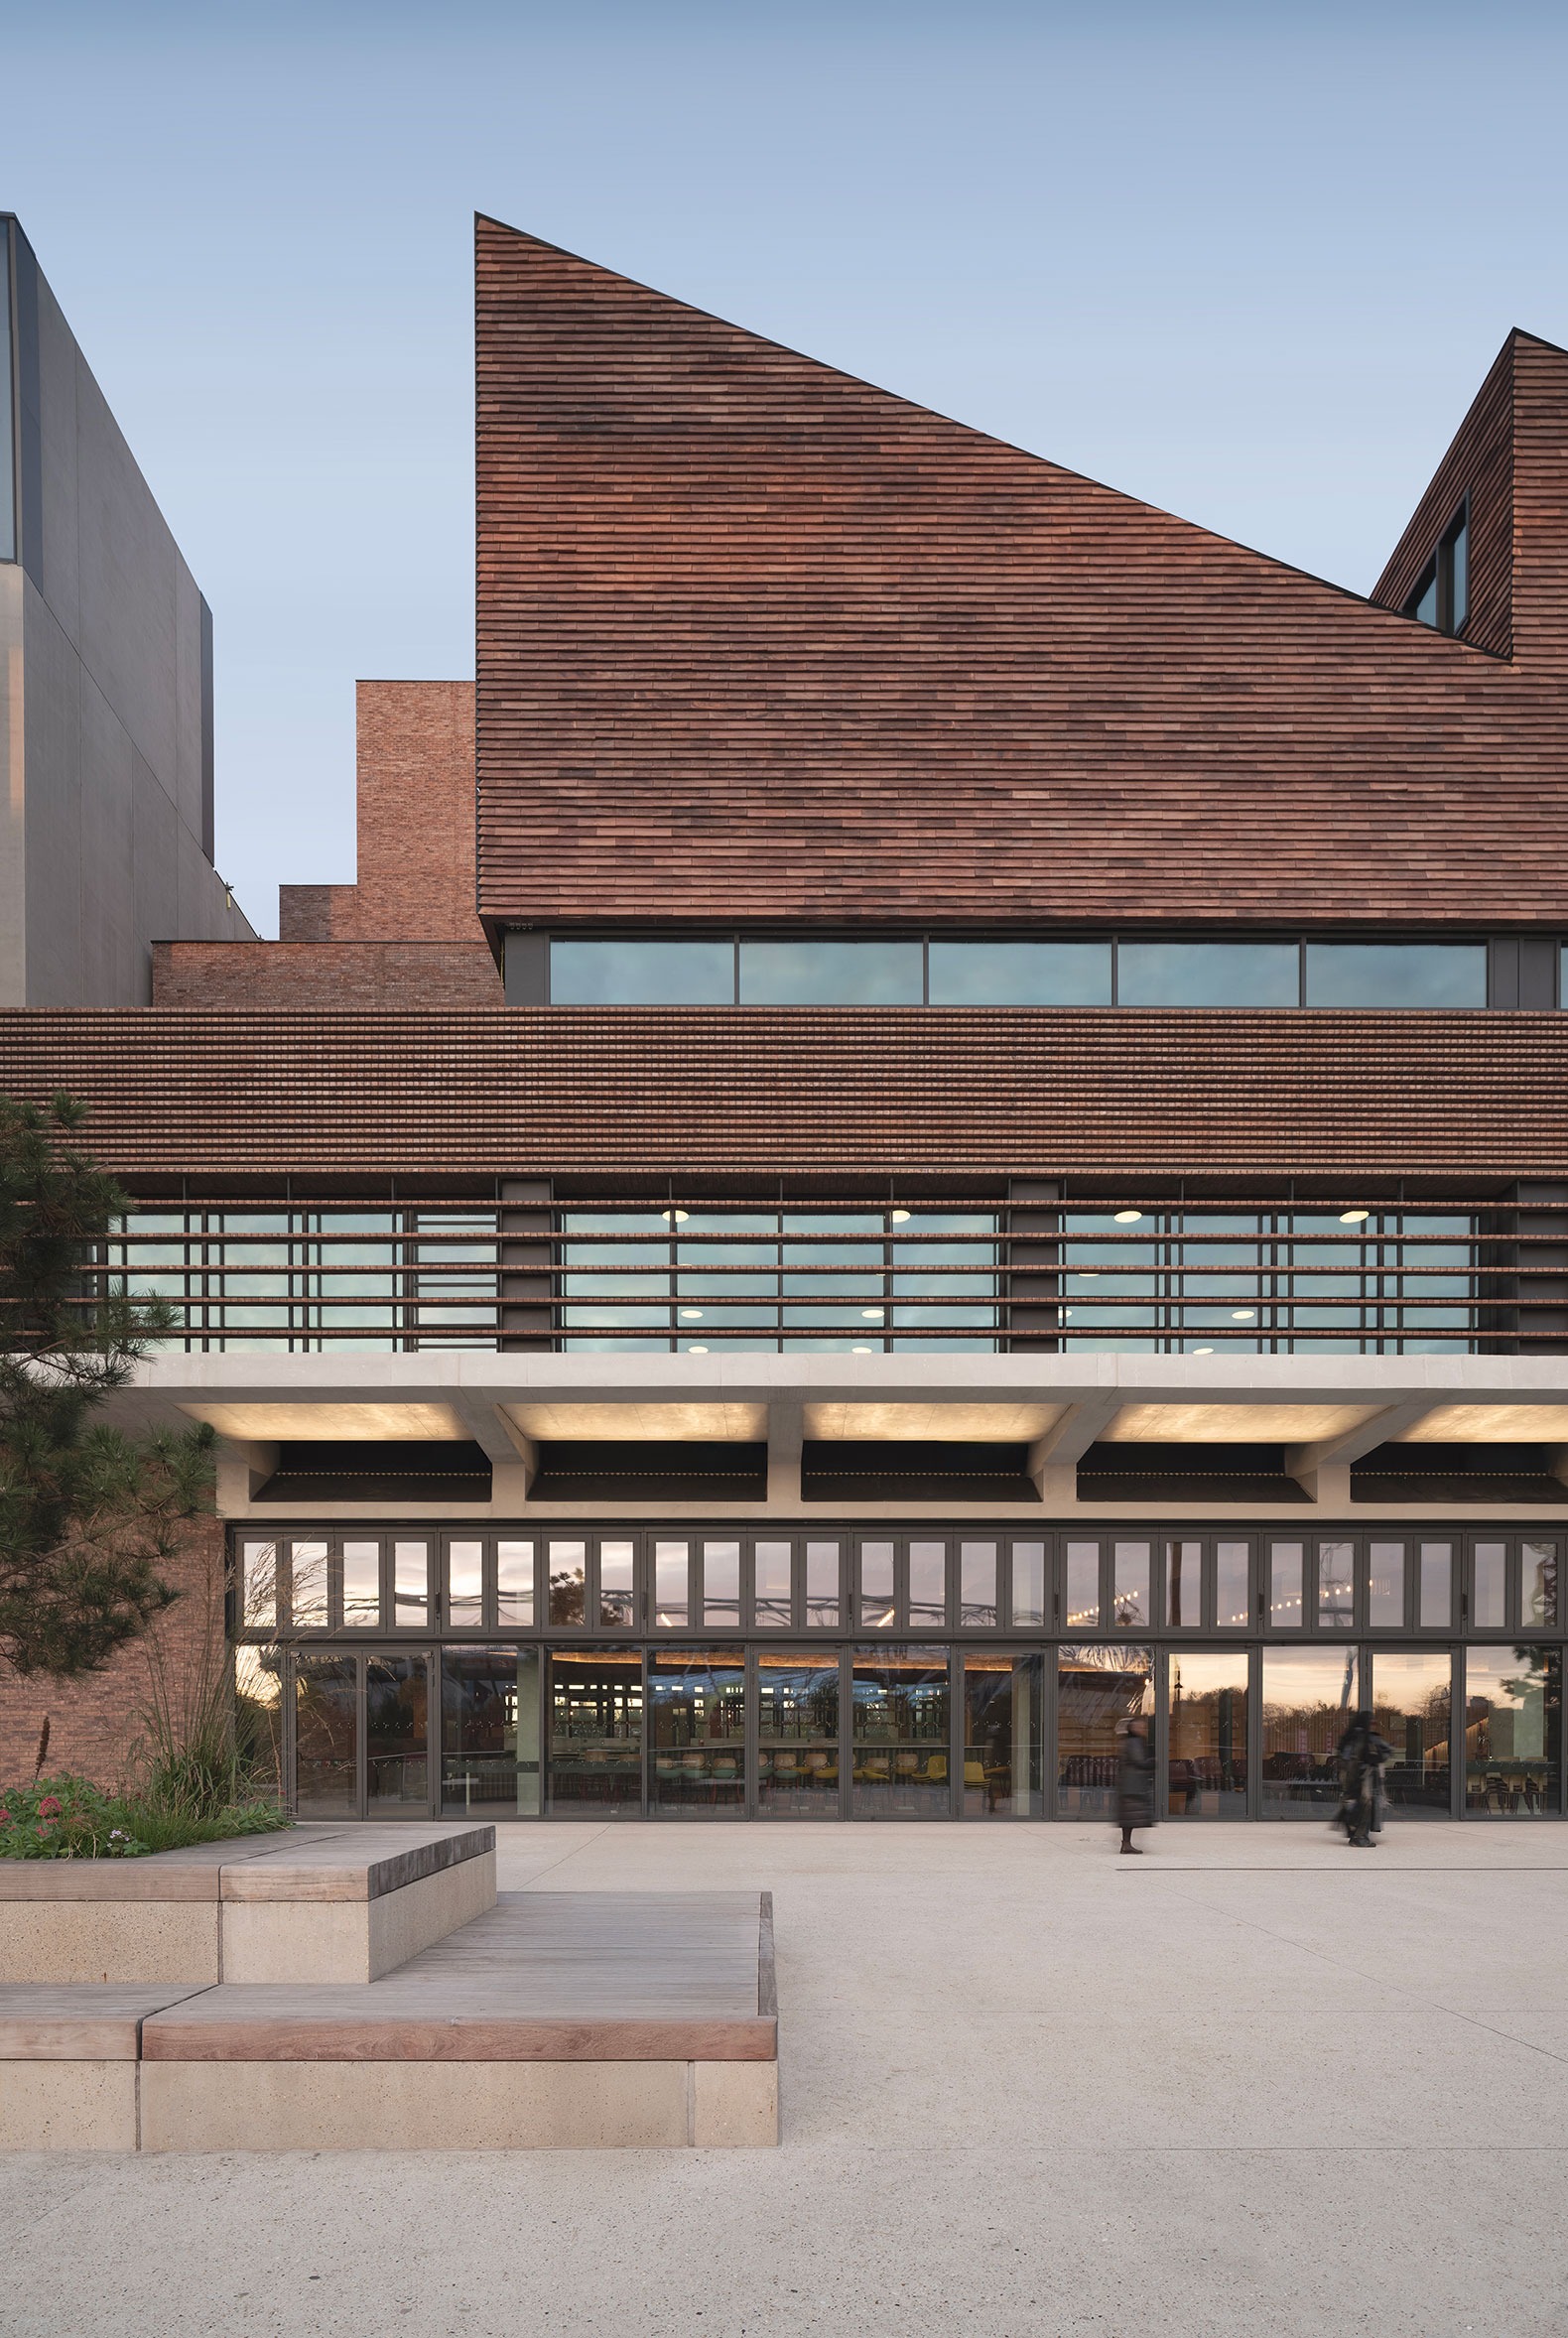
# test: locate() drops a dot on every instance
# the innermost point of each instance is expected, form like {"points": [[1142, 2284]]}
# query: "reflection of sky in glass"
{"points": [[642, 974], [1396, 974], [1186, 1273], [831, 974], [1020, 974], [1208, 973]]}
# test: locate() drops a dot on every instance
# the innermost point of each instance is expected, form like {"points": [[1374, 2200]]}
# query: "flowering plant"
{"points": [[64, 1818]]}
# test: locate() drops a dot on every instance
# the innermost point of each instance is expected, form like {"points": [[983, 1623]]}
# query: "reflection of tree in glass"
{"points": [[1538, 1678], [258, 1713], [565, 1596]]}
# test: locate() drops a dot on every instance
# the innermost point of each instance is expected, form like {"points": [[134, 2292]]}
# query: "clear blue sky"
{"points": [[1250, 262]]}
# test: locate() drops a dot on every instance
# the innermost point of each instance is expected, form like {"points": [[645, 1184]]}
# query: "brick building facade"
{"points": [[936, 1118]]}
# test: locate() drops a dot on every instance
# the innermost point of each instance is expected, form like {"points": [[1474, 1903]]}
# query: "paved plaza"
{"points": [[1252, 2082]]}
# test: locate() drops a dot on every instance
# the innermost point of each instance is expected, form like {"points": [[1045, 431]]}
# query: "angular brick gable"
{"points": [[758, 640]]}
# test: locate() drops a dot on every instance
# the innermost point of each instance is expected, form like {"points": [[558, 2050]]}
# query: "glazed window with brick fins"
{"points": [[1442, 597], [1046, 1269], [1437, 975]]}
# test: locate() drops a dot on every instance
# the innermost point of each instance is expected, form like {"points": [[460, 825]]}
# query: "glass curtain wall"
{"points": [[945, 1704], [798, 1732], [1098, 1691], [1512, 1731], [1350, 1276], [1206, 1695], [1309, 1695], [899, 1729], [699, 1730], [1002, 1773]]}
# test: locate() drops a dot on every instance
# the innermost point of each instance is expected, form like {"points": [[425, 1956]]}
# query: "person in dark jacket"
{"points": [[1363, 1758], [1135, 1782]]}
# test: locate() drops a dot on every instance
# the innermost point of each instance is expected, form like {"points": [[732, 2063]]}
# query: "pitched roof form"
{"points": [[758, 640]]}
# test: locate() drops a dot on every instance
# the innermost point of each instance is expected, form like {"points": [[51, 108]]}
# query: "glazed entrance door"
{"points": [[361, 1734], [1206, 1692], [397, 1736], [698, 1767], [596, 1733], [326, 1736]]}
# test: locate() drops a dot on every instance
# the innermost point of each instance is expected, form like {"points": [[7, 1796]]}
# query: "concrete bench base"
{"points": [[317, 1903], [591, 2021], [60, 2106], [110, 1943], [352, 1939], [456, 2106]]}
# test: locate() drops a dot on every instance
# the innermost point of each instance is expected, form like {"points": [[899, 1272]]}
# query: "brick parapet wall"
{"points": [[415, 823], [307, 913], [325, 974], [95, 1723]]}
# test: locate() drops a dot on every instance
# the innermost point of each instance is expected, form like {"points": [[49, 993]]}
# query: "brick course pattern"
{"points": [[284, 974], [414, 775], [226, 1098], [759, 640], [94, 1724], [1481, 459]]}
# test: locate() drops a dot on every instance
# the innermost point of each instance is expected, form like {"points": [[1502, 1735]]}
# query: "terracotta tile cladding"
{"points": [[541, 1091], [759, 640]]}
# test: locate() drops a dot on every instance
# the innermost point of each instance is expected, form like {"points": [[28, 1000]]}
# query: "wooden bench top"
{"points": [[85, 2024], [313, 1862], [544, 1976]]}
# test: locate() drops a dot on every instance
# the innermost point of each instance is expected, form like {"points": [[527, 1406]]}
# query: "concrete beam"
{"points": [[243, 1467], [1068, 1439], [1391, 1420], [786, 1436], [1054, 1456], [513, 1456], [1323, 1468]]}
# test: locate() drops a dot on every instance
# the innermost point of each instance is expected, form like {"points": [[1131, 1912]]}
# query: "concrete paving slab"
{"points": [[1022, 2081]]}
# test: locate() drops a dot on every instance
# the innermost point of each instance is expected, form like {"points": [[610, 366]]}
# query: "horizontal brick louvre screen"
{"points": [[758, 640], [1021, 1089]]}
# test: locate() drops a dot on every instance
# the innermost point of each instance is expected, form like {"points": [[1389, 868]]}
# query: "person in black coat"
{"points": [[1362, 1756], [1135, 1782]]}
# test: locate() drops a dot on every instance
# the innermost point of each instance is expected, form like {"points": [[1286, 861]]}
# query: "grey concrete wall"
{"points": [[109, 700], [13, 889]]}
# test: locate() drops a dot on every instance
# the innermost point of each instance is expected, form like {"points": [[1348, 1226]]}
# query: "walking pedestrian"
{"points": [[1134, 1783], [1362, 1756]]}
